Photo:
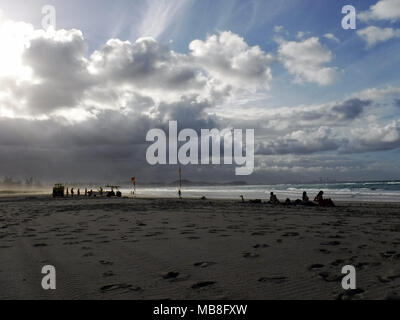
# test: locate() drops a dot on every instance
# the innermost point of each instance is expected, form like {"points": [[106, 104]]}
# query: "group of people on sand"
{"points": [[305, 201], [88, 193]]}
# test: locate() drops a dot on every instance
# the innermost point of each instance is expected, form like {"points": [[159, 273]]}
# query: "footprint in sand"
{"points": [[338, 262], [249, 255], [203, 284], [108, 274], [118, 287], [37, 245], [106, 263], [330, 277], [259, 246], [87, 255], [331, 243], [171, 275], [324, 251], [174, 276]]}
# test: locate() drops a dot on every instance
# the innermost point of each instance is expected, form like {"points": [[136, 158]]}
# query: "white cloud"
{"points": [[306, 60], [228, 58], [373, 35], [302, 34], [50, 73], [301, 142], [376, 137], [382, 10], [332, 37], [278, 29]]}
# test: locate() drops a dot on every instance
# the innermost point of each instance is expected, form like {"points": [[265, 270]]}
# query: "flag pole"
{"points": [[180, 182]]}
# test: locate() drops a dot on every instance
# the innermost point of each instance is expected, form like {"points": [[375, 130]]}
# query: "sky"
{"points": [[77, 101]]}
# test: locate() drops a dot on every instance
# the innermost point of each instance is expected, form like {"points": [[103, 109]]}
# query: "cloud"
{"points": [[351, 109], [228, 58], [373, 35], [375, 137], [332, 37], [382, 10], [52, 71], [306, 60], [301, 142], [62, 105]]}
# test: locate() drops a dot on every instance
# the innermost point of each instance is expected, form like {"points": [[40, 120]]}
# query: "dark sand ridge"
{"points": [[193, 249]]}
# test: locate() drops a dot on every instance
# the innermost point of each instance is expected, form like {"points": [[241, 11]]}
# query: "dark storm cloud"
{"points": [[351, 109], [346, 111]]}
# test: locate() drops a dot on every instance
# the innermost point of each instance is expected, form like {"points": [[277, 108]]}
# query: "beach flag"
{"points": [[133, 179]]}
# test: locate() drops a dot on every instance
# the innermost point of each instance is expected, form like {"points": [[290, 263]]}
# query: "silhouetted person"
{"points": [[273, 199], [180, 194], [320, 198], [79, 192], [242, 199], [72, 192], [323, 202], [86, 193], [306, 199]]}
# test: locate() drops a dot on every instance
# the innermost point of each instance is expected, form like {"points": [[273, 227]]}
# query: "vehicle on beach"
{"points": [[114, 192], [58, 191]]}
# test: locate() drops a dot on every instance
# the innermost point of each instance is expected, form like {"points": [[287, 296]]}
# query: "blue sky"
{"points": [[308, 62]]}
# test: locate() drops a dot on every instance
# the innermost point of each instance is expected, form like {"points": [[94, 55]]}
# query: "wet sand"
{"points": [[196, 249]]}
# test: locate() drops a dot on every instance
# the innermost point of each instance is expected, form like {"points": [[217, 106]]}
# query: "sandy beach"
{"points": [[196, 249]]}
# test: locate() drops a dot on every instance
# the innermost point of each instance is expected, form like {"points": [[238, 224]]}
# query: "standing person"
{"points": [[85, 192], [72, 192], [67, 192], [79, 192]]}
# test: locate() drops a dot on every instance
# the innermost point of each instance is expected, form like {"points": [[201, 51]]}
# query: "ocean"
{"points": [[378, 191]]}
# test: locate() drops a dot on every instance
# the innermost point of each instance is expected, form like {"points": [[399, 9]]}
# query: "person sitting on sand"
{"points": [[306, 199], [273, 199], [323, 202]]}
